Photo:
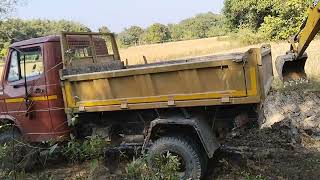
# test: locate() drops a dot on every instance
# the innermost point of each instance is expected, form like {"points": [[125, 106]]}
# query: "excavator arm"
{"points": [[291, 65]]}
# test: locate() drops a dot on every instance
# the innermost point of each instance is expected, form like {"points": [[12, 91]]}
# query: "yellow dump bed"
{"points": [[240, 78]]}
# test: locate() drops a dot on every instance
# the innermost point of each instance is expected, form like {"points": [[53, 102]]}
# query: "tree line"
{"points": [[17, 30], [251, 20], [201, 26], [259, 19], [269, 19]]}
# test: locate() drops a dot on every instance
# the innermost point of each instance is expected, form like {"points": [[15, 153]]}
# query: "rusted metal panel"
{"points": [[218, 80], [52, 38]]}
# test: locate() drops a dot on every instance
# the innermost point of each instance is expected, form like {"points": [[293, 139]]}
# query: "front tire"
{"points": [[9, 134], [185, 150]]}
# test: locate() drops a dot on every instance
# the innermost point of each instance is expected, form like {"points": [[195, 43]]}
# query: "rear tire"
{"points": [[187, 151], [202, 153]]}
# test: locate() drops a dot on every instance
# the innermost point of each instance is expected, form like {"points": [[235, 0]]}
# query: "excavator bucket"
{"points": [[291, 69]]}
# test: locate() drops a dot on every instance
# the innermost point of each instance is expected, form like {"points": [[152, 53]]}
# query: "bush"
{"points": [[4, 152], [246, 36], [16, 158], [286, 21], [77, 151], [164, 167], [275, 28]]}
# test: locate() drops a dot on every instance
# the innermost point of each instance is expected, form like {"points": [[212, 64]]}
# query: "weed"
{"points": [[165, 167], [78, 151], [249, 176]]}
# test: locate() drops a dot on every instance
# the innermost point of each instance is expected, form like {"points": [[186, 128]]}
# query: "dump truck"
{"points": [[77, 83]]}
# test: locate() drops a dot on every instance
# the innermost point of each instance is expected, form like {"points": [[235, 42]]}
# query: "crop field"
{"points": [[176, 50]]}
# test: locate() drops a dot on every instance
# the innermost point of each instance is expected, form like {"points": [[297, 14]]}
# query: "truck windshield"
{"points": [[34, 64]]}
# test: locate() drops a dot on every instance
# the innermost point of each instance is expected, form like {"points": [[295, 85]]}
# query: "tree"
{"points": [[131, 36], [104, 29], [176, 31], [275, 19], [24, 29], [6, 6], [249, 13], [287, 21], [4, 50], [157, 33], [199, 26], [17, 29]]}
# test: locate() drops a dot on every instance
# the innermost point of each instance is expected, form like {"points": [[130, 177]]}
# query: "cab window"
{"points": [[32, 67], [34, 64], [14, 72]]}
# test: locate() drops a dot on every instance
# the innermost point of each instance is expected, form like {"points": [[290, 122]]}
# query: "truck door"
{"points": [[33, 116]]}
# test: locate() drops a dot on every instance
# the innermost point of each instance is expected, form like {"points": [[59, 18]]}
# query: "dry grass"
{"points": [[175, 50]]}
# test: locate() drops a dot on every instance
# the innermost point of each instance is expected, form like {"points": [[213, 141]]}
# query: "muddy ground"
{"points": [[286, 145]]}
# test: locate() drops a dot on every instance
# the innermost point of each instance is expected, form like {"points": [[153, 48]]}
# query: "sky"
{"points": [[116, 14]]}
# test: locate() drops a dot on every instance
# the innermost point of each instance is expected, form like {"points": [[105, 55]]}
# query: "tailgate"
{"points": [[266, 70]]}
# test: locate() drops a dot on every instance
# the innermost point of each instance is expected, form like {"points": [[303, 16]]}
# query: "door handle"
{"points": [[38, 91], [17, 85]]}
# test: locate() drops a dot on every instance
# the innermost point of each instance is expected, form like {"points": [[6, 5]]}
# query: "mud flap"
{"points": [[289, 68]]}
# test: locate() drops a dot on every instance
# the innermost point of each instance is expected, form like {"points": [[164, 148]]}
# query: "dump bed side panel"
{"points": [[213, 80], [234, 80]]}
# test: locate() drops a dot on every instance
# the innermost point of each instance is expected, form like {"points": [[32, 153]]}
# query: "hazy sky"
{"points": [[117, 14]]}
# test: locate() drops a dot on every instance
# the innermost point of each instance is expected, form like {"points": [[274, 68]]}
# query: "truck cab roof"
{"points": [[51, 38]]}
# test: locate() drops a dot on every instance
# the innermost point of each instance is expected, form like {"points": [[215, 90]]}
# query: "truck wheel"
{"points": [[189, 157], [9, 134], [203, 155]]}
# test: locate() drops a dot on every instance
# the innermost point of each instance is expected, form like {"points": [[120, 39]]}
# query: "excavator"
{"points": [[290, 67]]}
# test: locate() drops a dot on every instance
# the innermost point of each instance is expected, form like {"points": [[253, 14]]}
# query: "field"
{"points": [[176, 50]]}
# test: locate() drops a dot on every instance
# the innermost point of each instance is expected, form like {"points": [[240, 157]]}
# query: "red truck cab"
{"points": [[35, 107]]}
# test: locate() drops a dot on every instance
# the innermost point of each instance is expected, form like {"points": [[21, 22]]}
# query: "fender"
{"points": [[12, 119], [200, 125]]}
